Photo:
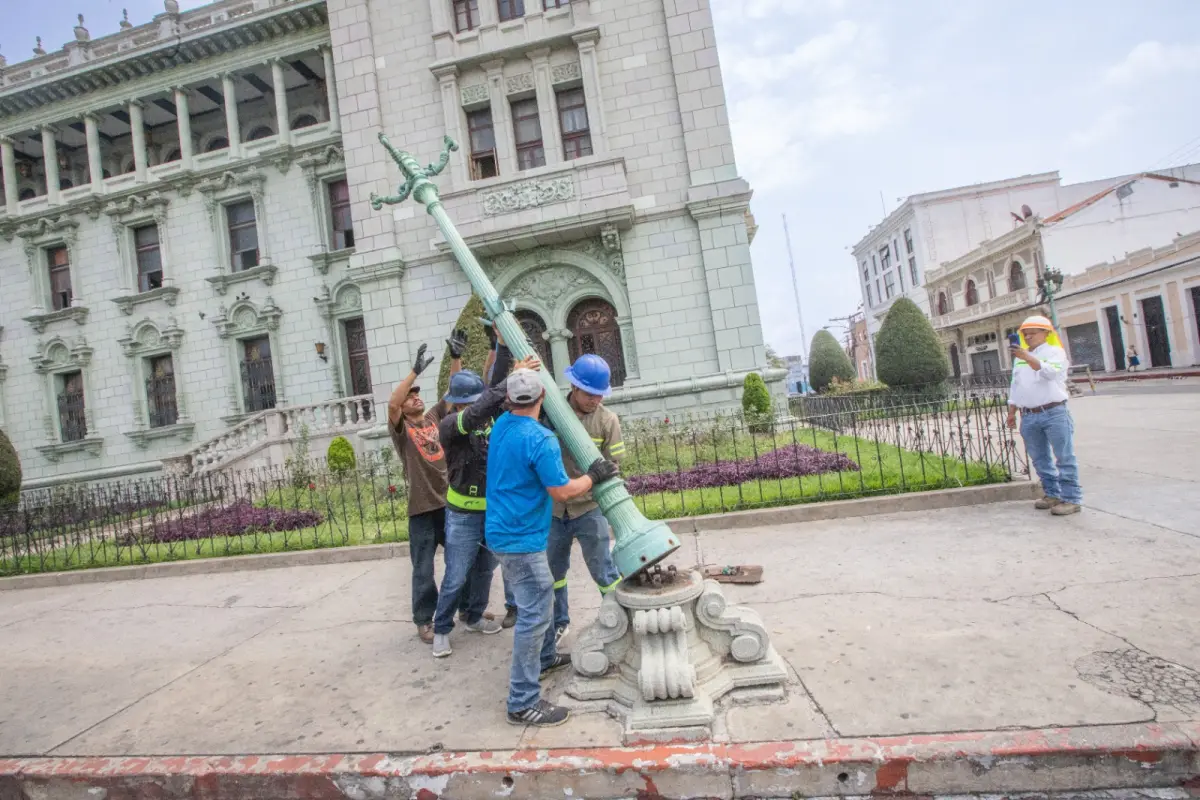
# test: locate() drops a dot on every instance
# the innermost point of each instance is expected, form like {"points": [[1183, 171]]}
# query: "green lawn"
{"points": [[372, 510]]}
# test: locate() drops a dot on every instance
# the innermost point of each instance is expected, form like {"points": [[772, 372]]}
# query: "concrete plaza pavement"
{"points": [[979, 618]]}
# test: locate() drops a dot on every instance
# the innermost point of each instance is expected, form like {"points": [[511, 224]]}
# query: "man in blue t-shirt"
{"points": [[525, 473]]}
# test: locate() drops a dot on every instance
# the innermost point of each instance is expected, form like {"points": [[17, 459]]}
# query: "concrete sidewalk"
{"points": [[924, 623]]}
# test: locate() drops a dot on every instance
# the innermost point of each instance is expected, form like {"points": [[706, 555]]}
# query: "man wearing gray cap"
{"points": [[525, 473]]}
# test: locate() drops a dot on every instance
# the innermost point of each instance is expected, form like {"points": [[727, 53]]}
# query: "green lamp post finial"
{"points": [[641, 542]]}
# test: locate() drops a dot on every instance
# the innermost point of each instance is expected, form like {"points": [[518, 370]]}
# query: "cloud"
{"points": [[1107, 125], [769, 9], [1153, 60]]}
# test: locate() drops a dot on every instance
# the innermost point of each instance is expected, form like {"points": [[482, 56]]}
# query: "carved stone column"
{"points": [[91, 126], [184, 118], [8, 158], [590, 73], [506, 150], [663, 652], [629, 346], [139, 138], [50, 158], [331, 96], [281, 107], [547, 105], [233, 128], [452, 113], [560, 351]]}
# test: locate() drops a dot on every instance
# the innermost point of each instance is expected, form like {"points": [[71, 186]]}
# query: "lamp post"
{"points": [[641, 543], [1050, 283]]}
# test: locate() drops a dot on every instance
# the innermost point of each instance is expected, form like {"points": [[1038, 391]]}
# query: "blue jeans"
{"points": [[469, 568], [591, 529], [533, 637], [426, 532], [1049, 441]]}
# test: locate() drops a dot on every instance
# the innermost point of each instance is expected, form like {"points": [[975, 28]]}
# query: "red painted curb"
{"points": [[1058, 759]]}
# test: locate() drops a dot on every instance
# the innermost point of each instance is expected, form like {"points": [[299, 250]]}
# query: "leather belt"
{"points": [[1040, 409]]}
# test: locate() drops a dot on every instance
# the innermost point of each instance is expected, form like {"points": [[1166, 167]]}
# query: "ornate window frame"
{"points": [[38, 237], [127, 214], [335, 305], [56, 357], [142, 341], [320, 169], [245, 320], [224, 190]]}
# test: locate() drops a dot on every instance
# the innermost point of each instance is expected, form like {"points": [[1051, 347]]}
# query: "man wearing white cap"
{"points": [[1039, 392], [524, 472]]}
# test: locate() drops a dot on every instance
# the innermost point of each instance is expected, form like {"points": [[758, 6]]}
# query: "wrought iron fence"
{"points": [[679, 468]]}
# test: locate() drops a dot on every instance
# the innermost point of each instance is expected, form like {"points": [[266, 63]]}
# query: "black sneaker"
{"points": [[560, 660], [542, 714], [510, 618]]}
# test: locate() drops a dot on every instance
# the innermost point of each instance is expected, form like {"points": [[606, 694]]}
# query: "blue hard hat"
{"points": [[465, 387], [590, 373]]}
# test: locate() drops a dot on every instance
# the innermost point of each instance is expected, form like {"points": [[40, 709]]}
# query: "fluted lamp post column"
{"points": [[640, 542]]}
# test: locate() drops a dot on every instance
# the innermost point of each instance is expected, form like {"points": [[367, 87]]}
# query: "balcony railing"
{"points": [[1010, 301]]}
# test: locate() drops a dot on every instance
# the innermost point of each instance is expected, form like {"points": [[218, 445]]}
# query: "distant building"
{"points": [[797, 376], [1129, 254]]}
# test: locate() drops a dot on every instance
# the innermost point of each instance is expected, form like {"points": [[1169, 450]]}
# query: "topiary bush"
{"points": [[340, 456], [826, 361], [907, 351], [477, 344], [10, 473], [756, 403]]}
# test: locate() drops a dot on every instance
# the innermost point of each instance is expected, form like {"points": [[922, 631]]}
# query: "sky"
{"points": [[842, 108]]}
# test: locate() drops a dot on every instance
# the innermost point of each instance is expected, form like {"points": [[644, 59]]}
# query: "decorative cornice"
{"points": [[392, 268], [564, 73], [39, 322], [147, 336], [323, 262], [46, 228], [264, 272], [476, 93], [53, 452], [58, 353], [184, 431], [246, 317], [168, 294], [154, 202]]}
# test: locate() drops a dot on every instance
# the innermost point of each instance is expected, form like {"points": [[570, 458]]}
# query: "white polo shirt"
{"points": [[1047, 385]]}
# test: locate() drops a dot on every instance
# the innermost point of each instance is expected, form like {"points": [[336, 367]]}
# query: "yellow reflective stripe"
{"points": [[599, 440], [1020, 362], [462, 428], [610, 587], [617, 449], [560, 584], [466, 503]]}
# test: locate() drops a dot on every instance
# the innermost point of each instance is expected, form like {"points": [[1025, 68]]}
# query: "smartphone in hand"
{"points": [[1014, 340]]}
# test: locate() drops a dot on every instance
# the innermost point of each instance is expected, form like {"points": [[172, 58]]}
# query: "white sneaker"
{"points": [[441, 645], [484, 626]]}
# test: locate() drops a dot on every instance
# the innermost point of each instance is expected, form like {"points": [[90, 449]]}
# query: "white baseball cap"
{"points": [[524, 386]]}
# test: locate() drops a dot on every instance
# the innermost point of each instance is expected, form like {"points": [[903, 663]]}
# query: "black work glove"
{"points": [[422, 361], [457, 343], [601, 470], [490, 330]]}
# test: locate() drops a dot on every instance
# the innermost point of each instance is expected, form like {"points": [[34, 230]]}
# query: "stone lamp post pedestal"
{"points": [[662, 654]]}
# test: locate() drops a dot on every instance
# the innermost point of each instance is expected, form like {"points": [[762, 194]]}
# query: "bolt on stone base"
{"points": [[662, 654]]}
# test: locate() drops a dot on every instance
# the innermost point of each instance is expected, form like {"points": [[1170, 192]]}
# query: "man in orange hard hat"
{"points": [[1039, 392]]}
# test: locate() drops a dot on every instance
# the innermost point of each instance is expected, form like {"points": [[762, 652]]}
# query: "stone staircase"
{"points": [[268, 438]]}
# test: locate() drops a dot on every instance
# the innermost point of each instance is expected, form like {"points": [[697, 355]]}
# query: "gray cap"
{"points": [[524, 386]]}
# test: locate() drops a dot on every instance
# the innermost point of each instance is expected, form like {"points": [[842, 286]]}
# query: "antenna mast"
{"points": [[796, 288]]}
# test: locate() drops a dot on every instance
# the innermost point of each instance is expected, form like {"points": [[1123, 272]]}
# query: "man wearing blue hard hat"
{"points": [[580, 518]]}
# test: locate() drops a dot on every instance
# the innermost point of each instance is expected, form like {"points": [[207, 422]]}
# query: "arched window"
{"points": [[1016, 277], [174, 155], [219, 143], [943, 305], [261, 132], [593, 323], [304, 121], [534, 326], [972, 294]]}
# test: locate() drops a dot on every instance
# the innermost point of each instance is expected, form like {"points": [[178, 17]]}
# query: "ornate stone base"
{"points": [[663, 655]]}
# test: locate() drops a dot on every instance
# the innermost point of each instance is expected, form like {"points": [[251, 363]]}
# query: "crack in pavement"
{"points": [[812, 698], [202, 664]]}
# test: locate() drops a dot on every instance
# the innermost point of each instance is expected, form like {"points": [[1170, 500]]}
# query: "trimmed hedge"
{"points": [[10, 473], [826, 361], [907, 351], [340, 456], [476, 354]]}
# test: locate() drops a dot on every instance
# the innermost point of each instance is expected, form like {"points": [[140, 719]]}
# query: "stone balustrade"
{"points": [[268, 438]]}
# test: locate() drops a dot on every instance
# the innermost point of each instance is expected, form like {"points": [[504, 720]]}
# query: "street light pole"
{"points": [[796, 288], [1050, 283], [641, 543]]}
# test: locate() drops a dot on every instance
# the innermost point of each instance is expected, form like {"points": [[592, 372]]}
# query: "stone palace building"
{"points": [[192, 272]]}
